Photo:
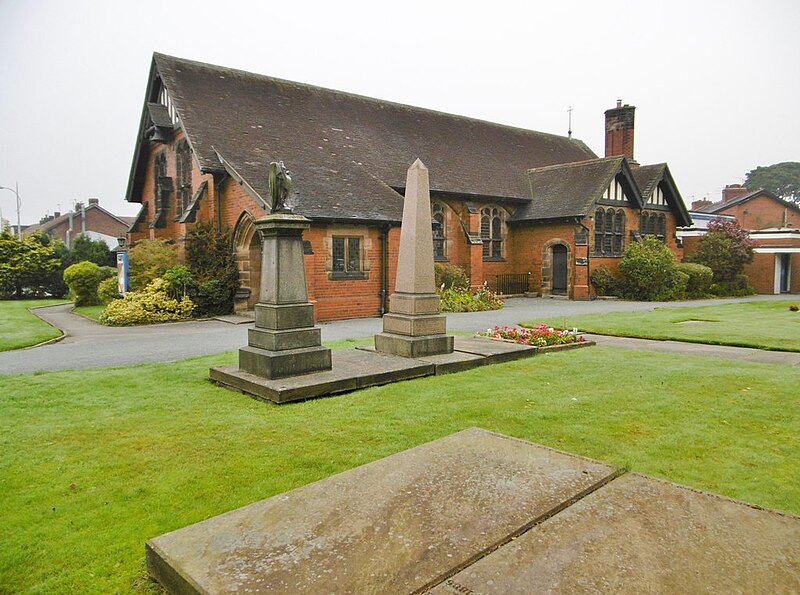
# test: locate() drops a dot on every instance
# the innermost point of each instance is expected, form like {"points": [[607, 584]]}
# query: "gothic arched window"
{"points": [[492, 232], [439, 225], [609, 232]]}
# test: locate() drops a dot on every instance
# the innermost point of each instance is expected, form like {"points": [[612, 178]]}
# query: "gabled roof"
{"points": [[76, 215], [648, 178], [717, 207], [348, 154], [572, 189]]}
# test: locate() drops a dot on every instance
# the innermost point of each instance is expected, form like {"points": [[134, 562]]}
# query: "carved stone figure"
{"points": [[280, 184]]}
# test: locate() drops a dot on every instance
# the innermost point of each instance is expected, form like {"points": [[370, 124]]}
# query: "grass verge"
{"points": [[763, 324], [92, 312], [95, 462], [20, 328]]}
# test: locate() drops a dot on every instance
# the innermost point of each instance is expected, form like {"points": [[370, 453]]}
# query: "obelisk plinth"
{"points": [[414, 327]]}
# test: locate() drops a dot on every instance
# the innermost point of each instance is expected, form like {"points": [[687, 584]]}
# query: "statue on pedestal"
{"points": [[280, 184]]}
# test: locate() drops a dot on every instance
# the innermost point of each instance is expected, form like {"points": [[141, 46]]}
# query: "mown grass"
{"points": [[92, 312], [95, 462], [20, 328], [762, 324]]}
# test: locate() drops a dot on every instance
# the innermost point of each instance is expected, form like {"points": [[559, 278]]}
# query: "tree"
{"points": [[650, 272], [212, 262], [148, 260], [26, 265], [725, 249], [782, 179], [85, 248]]}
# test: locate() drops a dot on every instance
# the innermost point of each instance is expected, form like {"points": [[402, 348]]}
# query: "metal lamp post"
{"points": [[19, 204]]}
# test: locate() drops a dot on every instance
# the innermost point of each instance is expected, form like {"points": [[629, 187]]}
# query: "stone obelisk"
{"points": [[413, 327]]}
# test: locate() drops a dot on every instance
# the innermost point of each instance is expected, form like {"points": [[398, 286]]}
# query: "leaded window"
{"points": [[183, 177], [492, 232], [346, 254], [438, 223], [653, 224], [609, 232]]}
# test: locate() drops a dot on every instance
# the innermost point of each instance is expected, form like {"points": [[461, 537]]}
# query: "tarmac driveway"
{"points": [[91, 345]]}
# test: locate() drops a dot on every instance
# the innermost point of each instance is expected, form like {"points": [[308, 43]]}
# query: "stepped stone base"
{"points": [[280, 364], [406, 346]]}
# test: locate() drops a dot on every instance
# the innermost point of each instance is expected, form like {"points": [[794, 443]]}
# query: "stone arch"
{"points": [[247, 246], [548, 264]]}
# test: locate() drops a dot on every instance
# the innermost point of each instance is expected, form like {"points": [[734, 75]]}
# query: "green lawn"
{"points": [[764, 325], [92, 312], [20, 328], [95, 462]]}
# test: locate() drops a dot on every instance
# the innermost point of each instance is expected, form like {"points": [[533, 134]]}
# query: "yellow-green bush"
{"points": [[108, 290], [151, 304]]}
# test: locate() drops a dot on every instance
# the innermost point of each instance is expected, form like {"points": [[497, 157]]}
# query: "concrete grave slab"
{"points": [[397, 525], [642, 535]]}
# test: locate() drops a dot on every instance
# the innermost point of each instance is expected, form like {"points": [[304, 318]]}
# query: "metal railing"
{"points": [[512, 283]]}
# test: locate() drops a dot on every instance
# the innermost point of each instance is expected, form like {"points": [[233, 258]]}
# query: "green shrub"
{"points": [[726, 248], [604, 281], [107, 291], [212, 263], [83, 279], [650, 273], [700, 277], [739, 286], [463, 300], [181, 282], [26, 266], [150, 305], [149, 260], [450, 276]]}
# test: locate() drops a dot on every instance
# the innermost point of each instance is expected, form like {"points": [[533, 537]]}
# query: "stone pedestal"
{"points": [[413, 327], [284, 341]]}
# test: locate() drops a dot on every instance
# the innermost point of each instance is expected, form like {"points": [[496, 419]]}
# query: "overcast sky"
{"points": [[716, 84]]}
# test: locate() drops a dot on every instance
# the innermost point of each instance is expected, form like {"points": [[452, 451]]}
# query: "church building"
{"points": [[521, 211]]}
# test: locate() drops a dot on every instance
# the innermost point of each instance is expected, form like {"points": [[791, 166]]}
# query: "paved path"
{"points": [[90, 345]]}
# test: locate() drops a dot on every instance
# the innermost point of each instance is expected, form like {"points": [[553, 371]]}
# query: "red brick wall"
{"points": [[763, 212]]}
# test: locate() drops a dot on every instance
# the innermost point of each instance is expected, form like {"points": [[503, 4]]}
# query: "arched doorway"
{"points": [[248, 260], [560, 276]]}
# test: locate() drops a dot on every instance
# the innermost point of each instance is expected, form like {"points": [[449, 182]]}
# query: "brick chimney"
{"points": [[699, 204], [619, 131], [732, 191], [94, 201]]}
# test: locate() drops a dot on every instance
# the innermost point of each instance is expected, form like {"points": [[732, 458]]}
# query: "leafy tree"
{"points": [[26, 265], [85, 248], [83, 279], [725, 249], [650, 272], [149, 260], [782, 179], [212, 263]]}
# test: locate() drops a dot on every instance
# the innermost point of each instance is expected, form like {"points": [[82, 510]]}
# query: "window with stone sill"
{"points": [[346, 253], [609, 232], [492, 233]]}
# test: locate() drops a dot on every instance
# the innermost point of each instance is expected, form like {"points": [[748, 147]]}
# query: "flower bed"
{"points": [[538, 336]]}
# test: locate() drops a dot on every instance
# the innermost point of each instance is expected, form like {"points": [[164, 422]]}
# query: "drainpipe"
{"points": [[83, 218], [384, 268], [69, 231], [588, 252]]}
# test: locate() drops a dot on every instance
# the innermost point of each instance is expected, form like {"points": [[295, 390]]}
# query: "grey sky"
{"points": [[715, 84]]}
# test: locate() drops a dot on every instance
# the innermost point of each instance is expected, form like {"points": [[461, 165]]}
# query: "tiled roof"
{"points": [[647, 179], [347, 152], [717, 207], [569, 190]]}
